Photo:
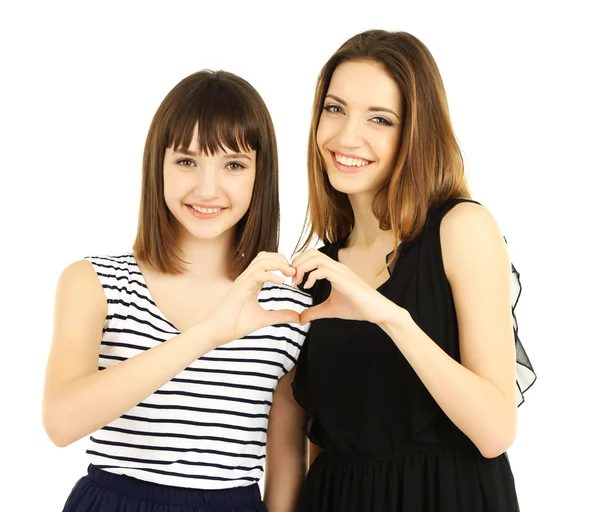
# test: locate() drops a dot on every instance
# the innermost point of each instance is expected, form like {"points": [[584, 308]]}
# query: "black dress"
{"points": [[387, 444]]}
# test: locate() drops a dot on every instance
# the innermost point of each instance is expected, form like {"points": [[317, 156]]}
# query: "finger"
{"points": [[271, 262], [269, 256], [308, 265], [263, 276], [305, 255], [312, 265], [316, 312], [321, 273], [276, 261], [282, 316]]}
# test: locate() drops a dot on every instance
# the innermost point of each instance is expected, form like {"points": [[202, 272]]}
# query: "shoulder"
{"points": [[466, 217], [79, 271], [78, 283], [469, 237], [122, 268], [112, 263], [95, 272], [94, 268]]}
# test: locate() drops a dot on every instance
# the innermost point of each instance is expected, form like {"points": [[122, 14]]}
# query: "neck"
{"points": [[206, 259], [366, 231]]}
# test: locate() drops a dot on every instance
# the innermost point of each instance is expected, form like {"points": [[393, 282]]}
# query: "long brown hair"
{"points": [[229, 113], [429, 168]]}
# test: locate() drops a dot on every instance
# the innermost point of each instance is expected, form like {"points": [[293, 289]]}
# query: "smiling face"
{"points": [[359, 128], [208, 194]]}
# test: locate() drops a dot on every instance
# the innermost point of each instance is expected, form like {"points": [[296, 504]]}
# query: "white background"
{"points": [[81, 82]]}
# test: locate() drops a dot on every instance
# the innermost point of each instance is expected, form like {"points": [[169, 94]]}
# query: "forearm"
{"points": [[474, 404], [286, 462], [284, 481], [77, 408]]}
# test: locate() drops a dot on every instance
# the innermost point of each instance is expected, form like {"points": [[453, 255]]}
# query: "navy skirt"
{"points": [[101, 491]]}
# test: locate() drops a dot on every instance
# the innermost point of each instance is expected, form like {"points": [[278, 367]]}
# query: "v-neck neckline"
{"points": [[341, 244], [159, 311]]}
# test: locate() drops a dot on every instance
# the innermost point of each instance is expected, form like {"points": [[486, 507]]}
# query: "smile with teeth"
{"points": [[350, 162], [205, 210]]}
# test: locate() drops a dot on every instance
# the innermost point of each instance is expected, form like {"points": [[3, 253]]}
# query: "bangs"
{"points": [[225, 120]]}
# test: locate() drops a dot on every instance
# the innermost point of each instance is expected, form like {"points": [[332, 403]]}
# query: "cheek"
{"points": [[241, 188], [176, 186], [388, 147], [325, 131], [167, 185], [170, 185]]}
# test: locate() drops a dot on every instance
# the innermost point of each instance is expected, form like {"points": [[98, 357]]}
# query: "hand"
{"points": [[240, 312], [351, 298]]}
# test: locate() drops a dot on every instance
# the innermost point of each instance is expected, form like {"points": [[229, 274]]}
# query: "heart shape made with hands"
{"points": [[350, 298]]}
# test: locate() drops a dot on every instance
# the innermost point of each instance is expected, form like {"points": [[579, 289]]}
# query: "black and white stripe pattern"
{"points": [[206, 428]]}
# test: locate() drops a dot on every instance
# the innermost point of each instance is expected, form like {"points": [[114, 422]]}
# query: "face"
{"points": [[359, 129], [208, 195]]}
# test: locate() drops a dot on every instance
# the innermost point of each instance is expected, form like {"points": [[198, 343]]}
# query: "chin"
{"points": [[206, 232], [349, 184]]}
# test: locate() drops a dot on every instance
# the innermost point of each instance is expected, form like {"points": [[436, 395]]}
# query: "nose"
{"points": [[351, 133], [207, 183]]}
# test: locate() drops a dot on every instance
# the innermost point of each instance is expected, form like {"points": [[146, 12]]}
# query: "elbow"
{"points": [[56, 429], [496, 445], [57, 435], [499, 435]]}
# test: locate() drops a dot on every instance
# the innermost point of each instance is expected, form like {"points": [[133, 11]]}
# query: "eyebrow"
{"points": [[187, 152], [370, 109]]}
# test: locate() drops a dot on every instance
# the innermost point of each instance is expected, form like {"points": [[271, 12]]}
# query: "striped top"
{"points": [[205, 428]]}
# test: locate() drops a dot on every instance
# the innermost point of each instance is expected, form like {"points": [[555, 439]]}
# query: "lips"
{"points": [[205, 212], [349, 164]]}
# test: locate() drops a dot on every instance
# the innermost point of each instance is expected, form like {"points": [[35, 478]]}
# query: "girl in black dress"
{"points": [[408, 373]]}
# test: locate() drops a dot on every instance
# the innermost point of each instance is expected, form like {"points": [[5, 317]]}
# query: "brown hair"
{"points": [[429, 168], [229, 113]]}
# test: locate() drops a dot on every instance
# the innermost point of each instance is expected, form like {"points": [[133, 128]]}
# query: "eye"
{"points": [[186, 162], [235, 166], [381, 120], [333, 109]]}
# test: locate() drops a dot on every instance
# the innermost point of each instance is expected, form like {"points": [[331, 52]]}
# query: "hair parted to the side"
{"points": [[229, 113], [429, 168]]}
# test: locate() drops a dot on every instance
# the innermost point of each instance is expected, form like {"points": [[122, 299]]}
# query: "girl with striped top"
{"points": [[174, 357]]}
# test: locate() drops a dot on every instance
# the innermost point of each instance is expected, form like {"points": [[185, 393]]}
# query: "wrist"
{"points": [[207, 333], [393, 318]]}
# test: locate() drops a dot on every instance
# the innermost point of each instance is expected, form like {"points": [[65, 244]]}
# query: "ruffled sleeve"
{"points": [[525, 373], [301, 386], [424, 411], [302, 394]]}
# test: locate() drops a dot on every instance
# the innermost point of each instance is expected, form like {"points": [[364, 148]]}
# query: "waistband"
{"points": [[456, 445], [183, 496]]}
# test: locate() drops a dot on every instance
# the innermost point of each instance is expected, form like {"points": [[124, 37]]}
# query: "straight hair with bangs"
{"points": [[229, 114], [429, 168]]}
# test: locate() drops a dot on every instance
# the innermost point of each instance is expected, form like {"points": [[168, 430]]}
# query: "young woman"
{"points": [[408, 373], [173, 357]]}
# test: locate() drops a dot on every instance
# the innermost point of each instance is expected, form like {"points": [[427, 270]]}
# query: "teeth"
{"points": [[205, 210], [351, 162]]}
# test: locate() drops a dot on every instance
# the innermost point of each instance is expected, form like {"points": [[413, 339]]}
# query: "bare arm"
{"points": [[479, 394], [79, 399], [286, 450]]}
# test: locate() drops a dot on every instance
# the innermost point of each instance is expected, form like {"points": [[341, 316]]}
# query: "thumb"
{"points": [[283, 316], [315, 312]]}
